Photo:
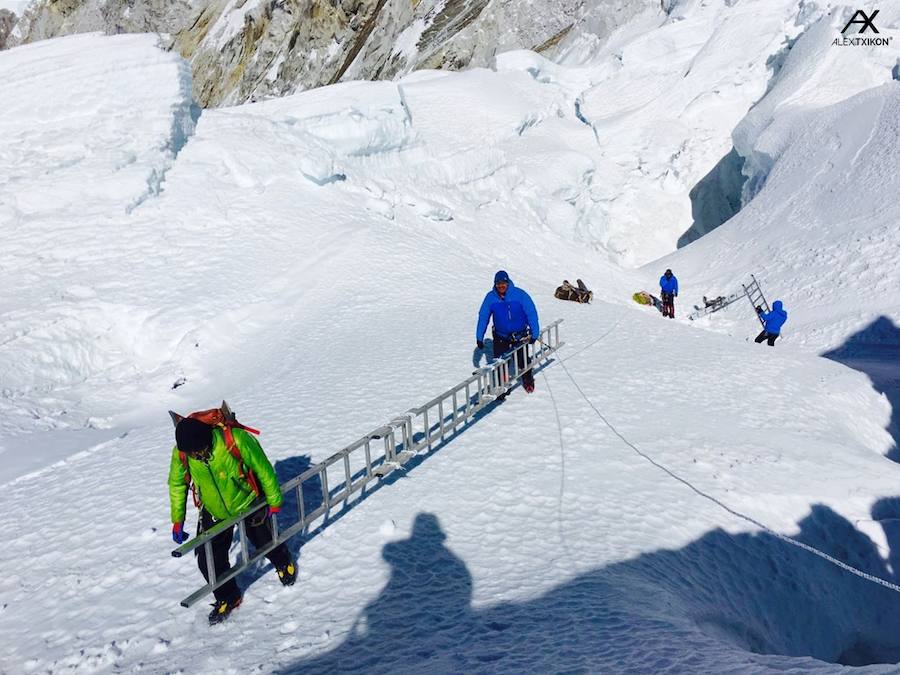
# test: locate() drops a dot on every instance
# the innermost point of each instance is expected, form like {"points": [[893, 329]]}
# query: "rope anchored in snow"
{"points": [[783, 537]]}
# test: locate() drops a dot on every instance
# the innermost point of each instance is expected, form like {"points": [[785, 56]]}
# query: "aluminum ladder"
{"points": [[752, 291], [715, 306], [757, 299], [376, 455]]}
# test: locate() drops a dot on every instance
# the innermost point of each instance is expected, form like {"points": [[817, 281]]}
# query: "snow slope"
{"points": [[318, 261]]}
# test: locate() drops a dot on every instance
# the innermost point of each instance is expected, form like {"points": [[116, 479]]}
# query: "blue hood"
{"points": [[775, 319]]}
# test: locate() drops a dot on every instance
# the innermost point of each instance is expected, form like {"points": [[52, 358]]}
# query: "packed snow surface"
{"points": [[319, 260]]}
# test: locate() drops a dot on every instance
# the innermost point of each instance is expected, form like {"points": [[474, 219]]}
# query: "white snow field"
{"points": [[319, 260]]}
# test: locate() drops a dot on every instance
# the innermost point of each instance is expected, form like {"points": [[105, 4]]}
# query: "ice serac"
{"points": [[100, 145]]}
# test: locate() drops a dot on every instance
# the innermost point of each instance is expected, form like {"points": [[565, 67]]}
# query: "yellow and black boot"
{"points": [[222, 609], [287, 575]]}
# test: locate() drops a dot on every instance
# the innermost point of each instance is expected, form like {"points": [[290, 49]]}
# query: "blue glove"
{"points": [[179, 536]]}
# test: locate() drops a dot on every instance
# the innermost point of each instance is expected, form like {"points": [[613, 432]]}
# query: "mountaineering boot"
{"points": [[222, 609], [287, 575], [528, 382]]}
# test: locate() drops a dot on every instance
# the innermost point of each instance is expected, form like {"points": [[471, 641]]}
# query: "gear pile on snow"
{"points": [[576, 294], [644, 298]]}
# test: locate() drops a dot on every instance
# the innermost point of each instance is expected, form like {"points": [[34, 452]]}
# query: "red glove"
{"points": [[273, 509]]}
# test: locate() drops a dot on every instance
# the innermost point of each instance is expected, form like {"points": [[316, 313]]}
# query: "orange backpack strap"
{"points": [[248, 476]]}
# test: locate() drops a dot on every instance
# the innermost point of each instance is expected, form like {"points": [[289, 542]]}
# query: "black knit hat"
{"points": [[192, 435]]}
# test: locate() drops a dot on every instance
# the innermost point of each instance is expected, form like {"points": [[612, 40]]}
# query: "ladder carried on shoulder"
{"points": [[330, 484], [751, 291]]}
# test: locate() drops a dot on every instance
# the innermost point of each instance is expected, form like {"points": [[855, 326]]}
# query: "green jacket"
{"points": [[220, 487]]}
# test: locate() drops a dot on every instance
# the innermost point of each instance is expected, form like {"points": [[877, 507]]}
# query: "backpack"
{"points": [[226, 420], [569, 292]]}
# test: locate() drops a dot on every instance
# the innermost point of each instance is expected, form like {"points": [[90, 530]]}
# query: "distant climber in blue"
{"points": [[668, 286], [772, 321], [515, 322]]}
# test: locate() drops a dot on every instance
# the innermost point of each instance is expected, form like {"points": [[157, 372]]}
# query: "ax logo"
{"points": [[866, 21]]}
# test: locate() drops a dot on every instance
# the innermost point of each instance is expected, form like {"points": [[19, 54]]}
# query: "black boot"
{"points": [[222, 609], [287, 575]]}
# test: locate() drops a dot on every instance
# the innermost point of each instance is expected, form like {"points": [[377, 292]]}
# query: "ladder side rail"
{"points": [[748, 292], [710, 309], [758, 299], [765, 304]]}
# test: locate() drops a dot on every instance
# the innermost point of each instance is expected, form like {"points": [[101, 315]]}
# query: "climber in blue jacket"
{"points": [[515, 321], [668, 287], [772, 321]]}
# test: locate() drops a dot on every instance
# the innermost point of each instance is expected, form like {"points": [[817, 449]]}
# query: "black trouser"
{"points": [[771, 337], [259, 535], [668, 303], [503, 343]]}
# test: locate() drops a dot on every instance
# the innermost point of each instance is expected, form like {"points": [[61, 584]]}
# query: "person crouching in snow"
{"points": [[222, 490], [515, 322], [668, 286], [773, 321]]}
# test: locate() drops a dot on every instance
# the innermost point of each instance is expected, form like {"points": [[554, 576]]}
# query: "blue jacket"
{"points": [[512, 314], [775, 319], [669, 285]]}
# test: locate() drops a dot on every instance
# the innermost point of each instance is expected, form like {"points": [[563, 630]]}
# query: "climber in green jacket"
{"points": [[225, 486]]}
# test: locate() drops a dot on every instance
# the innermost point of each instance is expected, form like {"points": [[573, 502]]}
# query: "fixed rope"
{"points": [[783, 537], [562, 467]]}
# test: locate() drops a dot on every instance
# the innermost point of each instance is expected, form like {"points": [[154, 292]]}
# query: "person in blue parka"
{"points": [[773, 321], [668, 287], [515, 321]]}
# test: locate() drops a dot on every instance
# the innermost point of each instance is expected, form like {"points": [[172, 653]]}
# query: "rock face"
{"points": [[44, 19], [7, 21], [244, 50]]}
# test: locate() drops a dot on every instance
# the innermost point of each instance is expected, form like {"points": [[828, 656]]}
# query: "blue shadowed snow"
{"points": [[740, 599], [875, 351]]}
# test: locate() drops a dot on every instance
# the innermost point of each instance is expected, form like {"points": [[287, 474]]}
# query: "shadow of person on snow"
{"points": [[743, 601], [875, 351]]}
